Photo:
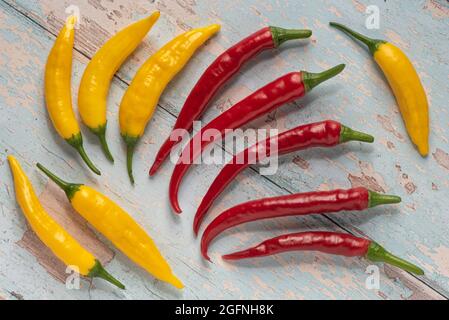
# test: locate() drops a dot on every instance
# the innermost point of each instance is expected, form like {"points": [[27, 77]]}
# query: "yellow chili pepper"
{"points": [[58, 94], [118, 226], [141, 98], [406, 86], [94, 86], [54, 236]]}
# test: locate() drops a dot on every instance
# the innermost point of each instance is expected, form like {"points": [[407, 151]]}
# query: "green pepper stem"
{"points": [[130, 146], [104, 146], [347, 134], [76, 141], [86, 159], [100, 132], [281, 35], [376, 199], [100, 272], [372, 44], [311, 80], [129, 161], [378, 254], [69, 188]]}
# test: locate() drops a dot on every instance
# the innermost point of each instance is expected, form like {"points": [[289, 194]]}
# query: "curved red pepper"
{"points": [[328, 242], [218, 73], [320, 134], [341, 244], [294, 205], [283, 90]]}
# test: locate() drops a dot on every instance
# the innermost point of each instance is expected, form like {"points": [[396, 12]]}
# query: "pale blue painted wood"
{"points": [[359, 98]]}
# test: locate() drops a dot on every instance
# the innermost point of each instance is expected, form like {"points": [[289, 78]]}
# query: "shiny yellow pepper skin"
{"points": [[117, 226], [96, 80], [405, 83], [141, 98], [58, 93], [53, 235]]}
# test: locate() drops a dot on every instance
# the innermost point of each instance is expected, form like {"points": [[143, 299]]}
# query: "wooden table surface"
{"points": [[417, 229]]}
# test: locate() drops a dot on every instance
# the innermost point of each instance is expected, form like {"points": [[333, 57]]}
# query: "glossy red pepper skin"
{"points": [[214, 77], [319, 134], [281, 91], [328, 242], [288, 205]]}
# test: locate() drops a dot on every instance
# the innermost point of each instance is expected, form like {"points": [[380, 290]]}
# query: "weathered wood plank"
{"points": [[345, 159]]}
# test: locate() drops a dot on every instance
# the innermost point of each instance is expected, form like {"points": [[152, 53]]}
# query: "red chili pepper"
{"points": [[283, 90], [328, 242], [294, 205], [320, 134], [219, 72]]}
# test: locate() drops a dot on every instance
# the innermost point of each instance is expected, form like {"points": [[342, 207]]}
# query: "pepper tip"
{"points": [[71, 21], [423, 150], [153, 169], [205, 255], [175, 204], [156, 14], [174, 281], [178, 210], [195, 229]]}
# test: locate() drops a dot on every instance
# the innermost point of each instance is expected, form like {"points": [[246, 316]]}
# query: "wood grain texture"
{"points": [[360, 98]]}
